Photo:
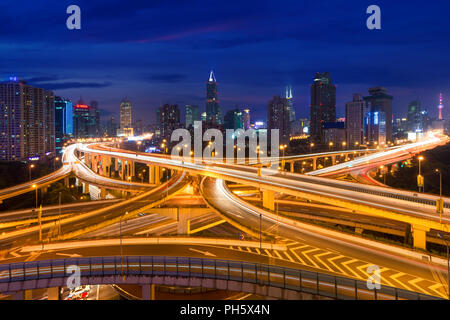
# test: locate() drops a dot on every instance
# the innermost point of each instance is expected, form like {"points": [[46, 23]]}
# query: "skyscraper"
{"points": [[27, 121], [323, 105], [414, 117], [86, 121], [125, 114], [278, 118], [233, 119], [440, 107], [290, 103], [63, 122], [213, 111], [170, 120], [354, 121], [246, 119], [192, 114], [380, 101]]}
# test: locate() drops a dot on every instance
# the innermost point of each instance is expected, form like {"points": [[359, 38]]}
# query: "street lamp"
{"points": [[54, 163], [36, 188], [344, 144], [440, 235], [311, 145], [421, 184], [330, 144], [31, 166], [383, 172], [440, 207]]}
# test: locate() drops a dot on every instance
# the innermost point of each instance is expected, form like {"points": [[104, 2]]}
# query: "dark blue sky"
{"points": [[161, 51]]}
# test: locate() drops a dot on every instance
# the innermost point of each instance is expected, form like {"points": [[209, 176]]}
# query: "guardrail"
{"points": [[261, 274]]}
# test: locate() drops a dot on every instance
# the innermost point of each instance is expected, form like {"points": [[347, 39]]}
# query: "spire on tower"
{"points": [[212, 78], [441, 106]]}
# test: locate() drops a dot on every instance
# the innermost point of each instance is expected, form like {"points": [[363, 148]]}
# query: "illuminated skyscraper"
{"points": [[213, 111], [380, 101], [440, 107], [290, 103], [354, 120], [63, 121], [125, 114], [27, 121]]}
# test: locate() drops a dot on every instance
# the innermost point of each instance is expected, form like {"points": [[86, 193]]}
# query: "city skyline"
{"points": [[356, 63]]}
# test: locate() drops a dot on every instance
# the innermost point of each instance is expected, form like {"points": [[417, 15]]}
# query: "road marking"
{"points": [[323, 262], [298, 257], [70, 255], [277, 254], [349, 262], [14, 252], [268, 253], [289, 257], [309, 258], [206, 253]]}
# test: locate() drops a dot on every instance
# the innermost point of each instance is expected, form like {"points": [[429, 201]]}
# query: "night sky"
{"points": [[157, 52]]}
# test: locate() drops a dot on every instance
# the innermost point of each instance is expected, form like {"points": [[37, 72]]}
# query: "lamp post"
{"points": [[31, 166], [440, 194], [440, 235], [330, 144], [383, 172], [420, 158], [36, 188], [54, 163], [121, 250], [311, 145]]}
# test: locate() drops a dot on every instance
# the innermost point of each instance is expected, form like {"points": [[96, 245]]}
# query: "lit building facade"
{"points": [[379, 101], [27, 121], [63, 122], [354, 121], [192, 114], [278, 113], [213, 110]]}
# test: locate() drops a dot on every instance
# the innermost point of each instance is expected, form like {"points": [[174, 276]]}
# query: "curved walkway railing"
{"points": [[184, 267]]}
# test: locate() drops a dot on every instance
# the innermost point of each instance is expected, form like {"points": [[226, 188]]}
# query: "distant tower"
{"points": [[440, 107], [213, 111], [290, 102]]}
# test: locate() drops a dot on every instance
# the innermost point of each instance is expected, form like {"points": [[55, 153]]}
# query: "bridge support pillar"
{"points": [[85, 187], [420, 237], [148, 292], [66, 182], [184, 220], [103, 193], [53, 293], [291, 167], [333, 160], [268, 199], [314, 164], [153, 175], [23, 295]]}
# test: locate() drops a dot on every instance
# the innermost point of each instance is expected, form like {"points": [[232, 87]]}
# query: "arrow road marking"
{"points": [[206, 253]]}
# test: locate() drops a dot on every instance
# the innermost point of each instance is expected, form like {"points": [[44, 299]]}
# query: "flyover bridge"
{"points": [[262, 279]]}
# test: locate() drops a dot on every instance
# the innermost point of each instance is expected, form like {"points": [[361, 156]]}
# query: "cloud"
{"points": [[73, 85]]}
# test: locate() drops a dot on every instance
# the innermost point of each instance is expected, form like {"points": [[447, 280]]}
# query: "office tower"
{"points": [[278, 118], [111, 127], [86, 120], [63, 122], [299, 127], [375, 127], [354, 121], [170, 120], [440, 107], [290, 103], [233, 119], [380, 101], [246, 119], [203, 116], [125, 114], [213, 111], [27, 121], [323, 105], [414, 117], [192, 114]]}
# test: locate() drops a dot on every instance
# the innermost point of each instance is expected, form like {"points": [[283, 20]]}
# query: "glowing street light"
{"points": [[31, 166], [420, 180]]}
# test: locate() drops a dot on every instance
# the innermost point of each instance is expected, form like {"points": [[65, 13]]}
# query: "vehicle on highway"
{"points": [[79, 293]]}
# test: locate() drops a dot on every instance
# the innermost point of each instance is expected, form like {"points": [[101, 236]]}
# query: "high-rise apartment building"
{"points": [[379, 101], [278, 118], [27, 121], [354, 121], [213, 111], [233, 119], [125, 114], [414, 117], [323, 105]]}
